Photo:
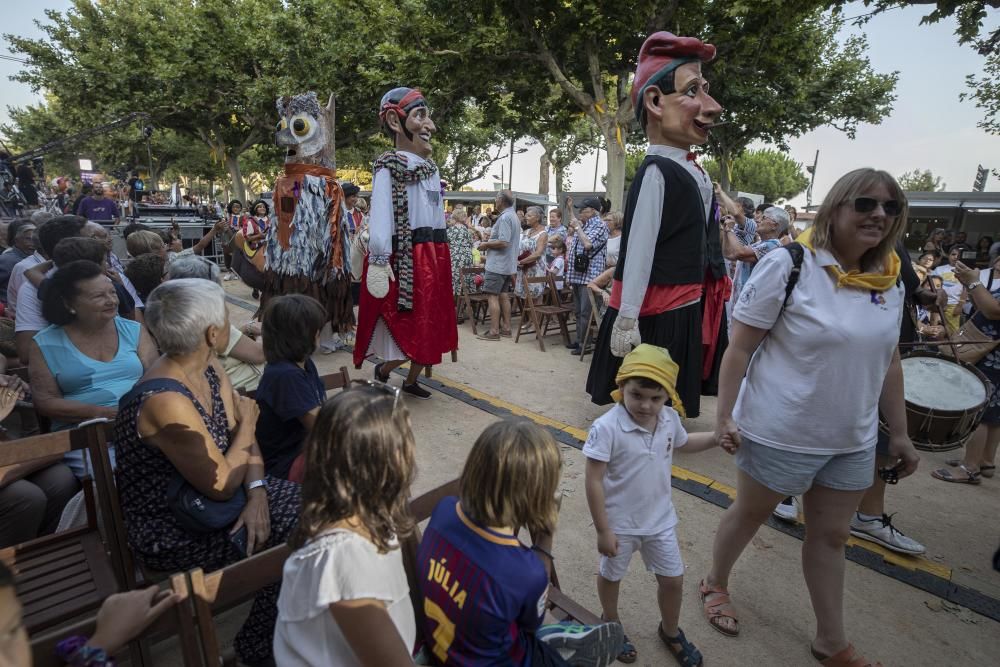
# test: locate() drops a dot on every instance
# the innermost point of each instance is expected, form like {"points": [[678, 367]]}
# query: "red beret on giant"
{"points": [[660, 55]]}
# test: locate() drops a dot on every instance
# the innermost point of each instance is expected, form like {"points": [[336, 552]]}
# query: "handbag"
{"points": [[581, 261], [970, 344], [197, 513]]}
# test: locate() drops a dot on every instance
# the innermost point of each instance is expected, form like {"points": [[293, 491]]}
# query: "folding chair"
{"points": [[472, 301], [176, 622], [539, 315], [224, 589], [63, 576], [593, 324]]}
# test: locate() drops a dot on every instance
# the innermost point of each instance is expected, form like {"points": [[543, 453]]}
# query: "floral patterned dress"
{"points": [[528, 242], [157, 538], [460, 244], [990, 364]]}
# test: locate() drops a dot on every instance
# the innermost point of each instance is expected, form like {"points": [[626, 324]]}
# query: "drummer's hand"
{"points": [[900, 447], [964, 274]]}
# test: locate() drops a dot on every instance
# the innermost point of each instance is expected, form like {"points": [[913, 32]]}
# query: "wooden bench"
{"points": [[63, 576], [473, 301], [176, 622]]}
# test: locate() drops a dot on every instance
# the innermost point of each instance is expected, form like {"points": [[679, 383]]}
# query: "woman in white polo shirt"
{"points": [[800, 388]]}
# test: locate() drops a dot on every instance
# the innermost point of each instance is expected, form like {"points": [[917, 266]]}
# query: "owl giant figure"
{"points": [[307, 250]]}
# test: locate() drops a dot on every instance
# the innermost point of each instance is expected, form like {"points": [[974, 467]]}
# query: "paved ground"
{"points": [[887, 619]]}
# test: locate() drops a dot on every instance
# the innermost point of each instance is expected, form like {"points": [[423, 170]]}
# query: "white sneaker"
{"points": [[881, 531], [787, 510]]}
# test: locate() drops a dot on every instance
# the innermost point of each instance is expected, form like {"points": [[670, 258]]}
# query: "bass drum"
{"points": [[945, 400]]}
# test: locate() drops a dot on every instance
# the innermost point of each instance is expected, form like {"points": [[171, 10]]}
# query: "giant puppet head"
{"points": [[669, 95], [404, 115], [306, 129]]}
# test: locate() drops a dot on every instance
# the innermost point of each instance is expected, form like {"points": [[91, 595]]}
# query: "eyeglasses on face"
{"points": [[868, 204]]}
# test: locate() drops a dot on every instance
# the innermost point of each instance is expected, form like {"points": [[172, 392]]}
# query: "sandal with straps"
{"points": [[848, 657], [984, 470], [687, 655], [946, 475], [720, 606]]}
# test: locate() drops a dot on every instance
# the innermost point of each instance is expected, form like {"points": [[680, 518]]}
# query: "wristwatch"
{"points": [[256, 484], [973, 285]]}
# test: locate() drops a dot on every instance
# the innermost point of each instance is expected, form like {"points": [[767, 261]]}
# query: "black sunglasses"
{"points": [[868, 204]]}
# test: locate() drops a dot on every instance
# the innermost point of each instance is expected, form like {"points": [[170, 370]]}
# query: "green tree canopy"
{"points": [[765, 172], [921, 181]]}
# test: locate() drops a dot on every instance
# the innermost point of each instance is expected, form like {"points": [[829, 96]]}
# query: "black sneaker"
{"points": [[416, 391], [378, 374]]}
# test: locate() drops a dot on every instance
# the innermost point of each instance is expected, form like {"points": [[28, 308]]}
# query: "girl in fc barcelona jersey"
{"points": [[484, 591]]}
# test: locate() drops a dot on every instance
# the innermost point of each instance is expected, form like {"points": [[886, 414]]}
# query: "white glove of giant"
{"points": [[379, 277], [624, 336]]}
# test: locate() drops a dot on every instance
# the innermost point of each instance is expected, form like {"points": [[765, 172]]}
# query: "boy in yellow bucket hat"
{"points": [[629, 452]]}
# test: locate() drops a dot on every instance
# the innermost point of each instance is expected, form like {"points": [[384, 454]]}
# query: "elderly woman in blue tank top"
{"points": [[88, 357]]}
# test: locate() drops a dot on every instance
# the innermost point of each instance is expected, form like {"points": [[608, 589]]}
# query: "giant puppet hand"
{"points": [[624, 336], [379, 277]]}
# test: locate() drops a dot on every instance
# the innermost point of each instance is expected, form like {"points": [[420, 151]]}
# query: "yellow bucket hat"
{"points": [[654, 363]]}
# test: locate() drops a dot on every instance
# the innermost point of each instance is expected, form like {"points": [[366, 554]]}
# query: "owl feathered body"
{"points": [[307, 248]]}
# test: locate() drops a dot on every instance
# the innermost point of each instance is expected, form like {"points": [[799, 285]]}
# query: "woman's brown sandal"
{"points": [[984, 470], [848, 657], [720, 606]]}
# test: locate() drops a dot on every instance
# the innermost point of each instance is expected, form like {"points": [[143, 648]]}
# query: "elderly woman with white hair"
{"points": [[185, 438], [531, 254], [243, 357], [772, 226], [802, 382]]}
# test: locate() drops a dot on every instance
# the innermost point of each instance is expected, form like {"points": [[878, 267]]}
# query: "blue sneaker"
{"points": [[584, 645]]}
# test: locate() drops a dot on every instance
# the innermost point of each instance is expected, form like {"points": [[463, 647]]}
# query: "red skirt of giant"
{"points": [[428, 331]]}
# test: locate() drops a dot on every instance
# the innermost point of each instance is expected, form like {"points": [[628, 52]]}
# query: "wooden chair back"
{"points": [[63, 576], [175, 622], [471, 299], [337, 380], [224, 589], [593, 324]]}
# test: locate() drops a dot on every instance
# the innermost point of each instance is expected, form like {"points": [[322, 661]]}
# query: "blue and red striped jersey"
{"points": [[483, 590]]}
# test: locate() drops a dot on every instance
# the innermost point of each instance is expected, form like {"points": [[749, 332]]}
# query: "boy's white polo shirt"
{"points": [[814, 383], [637, 482]]}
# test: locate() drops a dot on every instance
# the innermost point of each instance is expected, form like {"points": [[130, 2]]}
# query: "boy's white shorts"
{"points": [[660, 553]]}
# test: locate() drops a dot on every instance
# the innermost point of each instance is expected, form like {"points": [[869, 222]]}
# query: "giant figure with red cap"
{"points": [[406, 310], [670, 281]]}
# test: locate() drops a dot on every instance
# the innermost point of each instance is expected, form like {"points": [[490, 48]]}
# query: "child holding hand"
{"points": [[629, 452]]}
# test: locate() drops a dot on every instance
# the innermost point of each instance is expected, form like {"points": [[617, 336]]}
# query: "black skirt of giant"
{"points": [[679, 331]]}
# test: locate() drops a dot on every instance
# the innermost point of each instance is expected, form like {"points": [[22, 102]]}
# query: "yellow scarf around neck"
{"points": [[878, 282]]}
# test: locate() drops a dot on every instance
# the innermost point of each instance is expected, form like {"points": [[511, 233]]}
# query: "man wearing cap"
{"points": [[670, 282], [407, 308], [586, 251]]}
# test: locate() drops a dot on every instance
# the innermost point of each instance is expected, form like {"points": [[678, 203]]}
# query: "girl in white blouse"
{"points": [[344, 597]]}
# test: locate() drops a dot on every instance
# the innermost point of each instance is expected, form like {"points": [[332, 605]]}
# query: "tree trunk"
{"points": [[615, 190], [725, 170], [236, 176], [543, 174]]}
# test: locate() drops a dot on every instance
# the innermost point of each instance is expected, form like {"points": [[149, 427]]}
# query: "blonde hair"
{"points": [[616, 218], [142, 242], [849, 186], [511, 477]]}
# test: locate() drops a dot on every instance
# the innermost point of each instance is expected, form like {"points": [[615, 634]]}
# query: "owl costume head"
{"points": [[306, 129]]}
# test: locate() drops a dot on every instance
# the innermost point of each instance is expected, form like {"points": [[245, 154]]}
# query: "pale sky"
{"points": [[929, 127]]}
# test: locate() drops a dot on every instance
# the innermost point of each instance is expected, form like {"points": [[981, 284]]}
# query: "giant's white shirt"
{"points": [[426, 206]]}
